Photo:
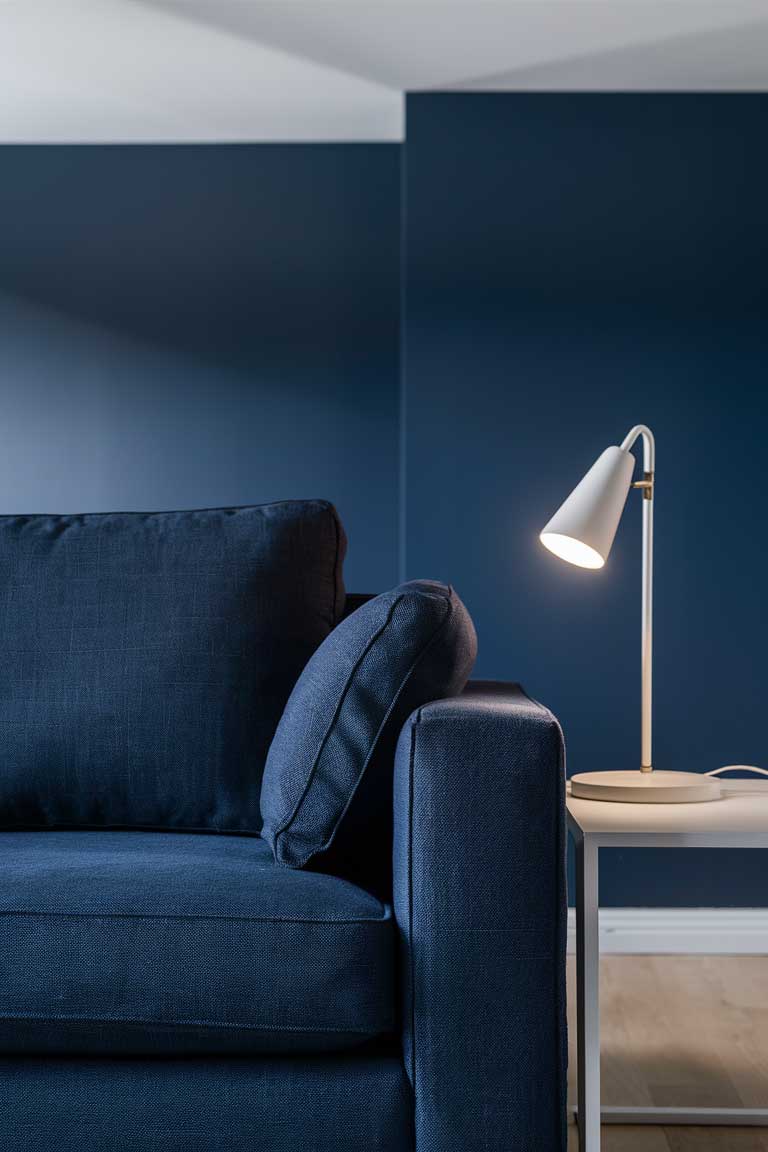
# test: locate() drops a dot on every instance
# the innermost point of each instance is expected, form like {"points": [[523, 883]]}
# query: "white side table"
{"points": [[739, 820]]}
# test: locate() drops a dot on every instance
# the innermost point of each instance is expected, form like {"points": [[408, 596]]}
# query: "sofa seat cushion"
{"points": [[172, 943]]}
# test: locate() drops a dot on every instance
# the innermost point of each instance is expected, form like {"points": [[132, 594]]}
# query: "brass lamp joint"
{"points": [[645, 485]]}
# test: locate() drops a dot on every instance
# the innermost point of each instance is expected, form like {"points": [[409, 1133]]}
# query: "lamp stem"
{"points": [[646, 692], [646, 657]]}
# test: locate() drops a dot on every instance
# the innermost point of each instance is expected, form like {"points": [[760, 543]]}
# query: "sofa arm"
{"points": [[480, 902]]}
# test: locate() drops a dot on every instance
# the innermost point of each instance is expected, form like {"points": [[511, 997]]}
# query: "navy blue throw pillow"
{"points": [[147, 658], [398, 651]]}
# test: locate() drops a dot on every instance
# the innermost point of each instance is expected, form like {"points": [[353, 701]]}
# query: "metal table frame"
{"points": [[588, 844]]}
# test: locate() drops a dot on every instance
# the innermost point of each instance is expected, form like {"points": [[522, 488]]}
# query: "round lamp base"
{"points": [[645, 787]]}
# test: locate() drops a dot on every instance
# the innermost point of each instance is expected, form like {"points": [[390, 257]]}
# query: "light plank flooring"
{"points": [[690, 1030]]}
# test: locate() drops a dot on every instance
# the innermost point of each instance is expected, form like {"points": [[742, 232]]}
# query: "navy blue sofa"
{"points": [[164, 984]]}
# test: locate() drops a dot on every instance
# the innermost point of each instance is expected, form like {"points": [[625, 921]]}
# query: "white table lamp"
{"points": [[582, 532]]}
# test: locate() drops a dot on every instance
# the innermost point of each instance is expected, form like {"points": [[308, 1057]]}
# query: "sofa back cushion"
{"points": [[329, 770], [146, 659]]}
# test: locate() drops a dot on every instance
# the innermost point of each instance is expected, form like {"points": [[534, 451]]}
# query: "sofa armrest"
{"points": [[480, 902]]}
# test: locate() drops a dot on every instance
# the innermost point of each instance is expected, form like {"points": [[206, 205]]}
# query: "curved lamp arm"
{"points": [[649, 445]]}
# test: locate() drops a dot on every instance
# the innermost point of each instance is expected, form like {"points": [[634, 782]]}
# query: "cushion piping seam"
{"points": [[251, 833], [317, 503], [193, 917], [76, 1018]]}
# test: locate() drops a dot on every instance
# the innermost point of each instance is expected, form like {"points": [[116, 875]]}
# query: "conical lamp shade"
{"points": [[583, 528]]}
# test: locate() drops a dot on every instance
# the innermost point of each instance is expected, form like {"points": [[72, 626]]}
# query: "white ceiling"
{"points": [[112, 70]]}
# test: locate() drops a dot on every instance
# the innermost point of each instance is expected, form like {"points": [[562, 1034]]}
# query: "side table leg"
{"points": [[588, 995]]}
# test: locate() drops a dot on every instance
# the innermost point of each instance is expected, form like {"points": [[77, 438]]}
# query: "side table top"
{"points": [[739, 819]]}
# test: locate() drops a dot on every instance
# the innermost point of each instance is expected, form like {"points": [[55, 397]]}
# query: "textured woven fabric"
{"points": [[479, 879], [147, 659], [396, 652], [155, 942], [332, 1104]]}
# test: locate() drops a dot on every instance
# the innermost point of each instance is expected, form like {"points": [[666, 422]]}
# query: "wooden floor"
{"points": [[689, 1030]]}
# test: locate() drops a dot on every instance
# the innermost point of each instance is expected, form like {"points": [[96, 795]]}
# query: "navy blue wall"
{"points": [[575, 264], [185, 326]]}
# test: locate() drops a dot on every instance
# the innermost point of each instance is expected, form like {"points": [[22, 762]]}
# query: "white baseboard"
{"points": [[707, 931]]}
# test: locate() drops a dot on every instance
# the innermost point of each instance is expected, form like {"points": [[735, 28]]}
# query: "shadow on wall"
{"points": [[193, 326], [220, 251]]}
